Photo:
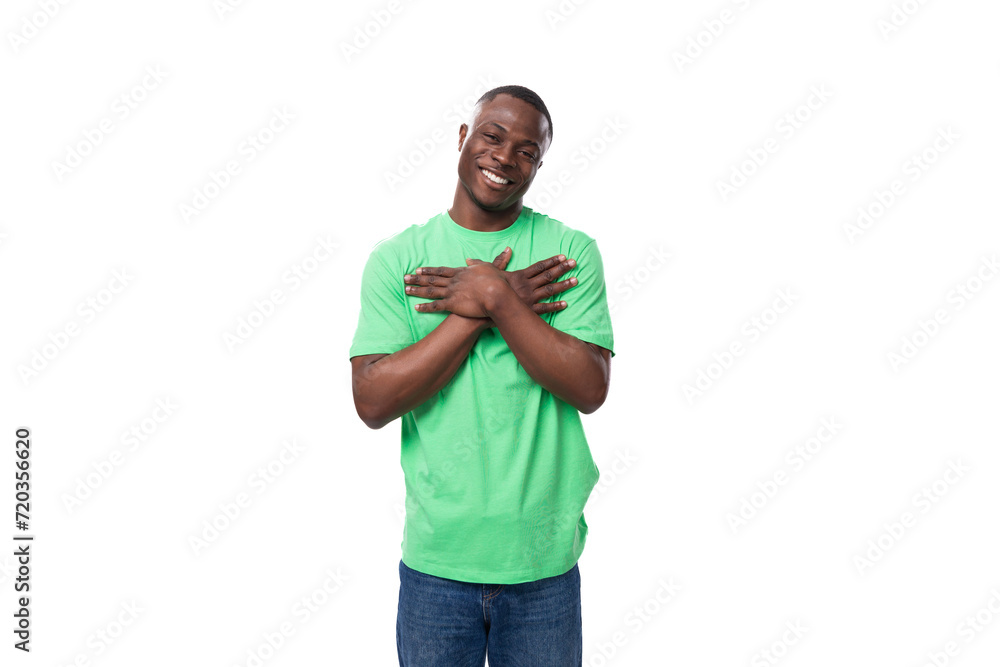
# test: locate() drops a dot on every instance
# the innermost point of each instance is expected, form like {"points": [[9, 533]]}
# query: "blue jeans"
{"points": [[448, 623]]}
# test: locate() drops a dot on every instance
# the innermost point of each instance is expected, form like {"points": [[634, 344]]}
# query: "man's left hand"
{"points": [[467, 290]]}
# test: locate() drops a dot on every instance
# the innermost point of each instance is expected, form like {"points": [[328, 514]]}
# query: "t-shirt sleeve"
{"points": [[586, 315], [382, 324]]}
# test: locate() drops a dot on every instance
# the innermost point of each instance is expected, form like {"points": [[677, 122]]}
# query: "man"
{"points": [[490, 380]]}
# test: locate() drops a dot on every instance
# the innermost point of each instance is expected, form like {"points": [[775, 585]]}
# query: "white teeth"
{"points": [[495, 179]]}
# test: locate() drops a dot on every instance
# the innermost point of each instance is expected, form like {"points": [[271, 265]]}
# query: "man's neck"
{"points": [[465, 212]]}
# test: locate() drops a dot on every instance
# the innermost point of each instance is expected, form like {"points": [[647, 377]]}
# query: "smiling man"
{"points": [[489, 377]]}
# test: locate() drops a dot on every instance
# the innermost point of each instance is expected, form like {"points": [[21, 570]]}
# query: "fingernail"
{"points": [[417, 271], [572, 262], [562, 257]]}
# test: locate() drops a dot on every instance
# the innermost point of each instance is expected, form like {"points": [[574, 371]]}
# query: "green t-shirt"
{"points": [[497, 469]]}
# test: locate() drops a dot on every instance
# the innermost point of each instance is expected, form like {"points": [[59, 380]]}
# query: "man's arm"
{"points": [[386, 386], [571, 369], [577, 372]]}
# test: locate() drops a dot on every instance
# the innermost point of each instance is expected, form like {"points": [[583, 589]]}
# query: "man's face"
{"points": [[507, 140]]}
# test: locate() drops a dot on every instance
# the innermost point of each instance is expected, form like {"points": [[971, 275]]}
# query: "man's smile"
{"points": [[494, 178]]}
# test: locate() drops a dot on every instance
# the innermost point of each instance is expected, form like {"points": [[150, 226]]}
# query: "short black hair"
{"points": [[521, 93]]}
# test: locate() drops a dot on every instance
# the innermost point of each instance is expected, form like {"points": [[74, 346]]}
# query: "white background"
{"points": [[662, 134]]}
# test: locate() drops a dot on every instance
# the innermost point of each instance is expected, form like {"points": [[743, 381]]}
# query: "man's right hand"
{"points": [[536, 282]]}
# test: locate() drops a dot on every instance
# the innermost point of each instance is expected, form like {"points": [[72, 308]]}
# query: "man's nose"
{"points": [[503, 155]]}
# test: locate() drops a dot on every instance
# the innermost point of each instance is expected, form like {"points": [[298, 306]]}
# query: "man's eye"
{"points": [[492, 137], [528, 155]]}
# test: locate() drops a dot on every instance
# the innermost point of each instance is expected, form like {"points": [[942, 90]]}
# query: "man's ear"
{"points": [[539, 165], [462, 130]]}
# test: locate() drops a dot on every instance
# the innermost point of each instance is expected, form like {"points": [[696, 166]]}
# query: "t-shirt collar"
{"points": [[453, 227]]}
